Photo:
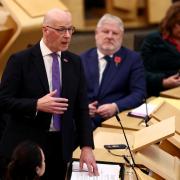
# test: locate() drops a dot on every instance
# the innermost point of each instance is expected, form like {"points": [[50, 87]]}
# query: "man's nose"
{"points": [[109, 34]]}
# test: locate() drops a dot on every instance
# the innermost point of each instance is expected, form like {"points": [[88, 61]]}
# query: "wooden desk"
{"points": [[128, 122], [101, 154], [171, 145], [160, 100], [171, 93], [104, 136], [160, 162]]}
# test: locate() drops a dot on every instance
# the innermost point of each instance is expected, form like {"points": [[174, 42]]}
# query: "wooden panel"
{"points": [[104, 136], [129, 5], [173, 102], [171, 93], [157, 9], [128, 122], [124, 15], [77, 9], [170, 148], [160, 162], [167, 110], [154, 133], [5, 34], [142, 176], [37, 8]]}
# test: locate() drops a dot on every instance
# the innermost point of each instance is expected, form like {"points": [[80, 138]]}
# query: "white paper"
{"points": [[144, 110], [106, 172]]}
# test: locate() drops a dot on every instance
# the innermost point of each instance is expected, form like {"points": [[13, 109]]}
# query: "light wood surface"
{"points": [[36, 8], [128, 122], [160, 162], [157, 9], [167, 110], [103, 136], [160, 100], [170, 148], [171, 93], [154, 133], [142, 176], [126, 15], [137, 123], [175, 139], [128, 5]]}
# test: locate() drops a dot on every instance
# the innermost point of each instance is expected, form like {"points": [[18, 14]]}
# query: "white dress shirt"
{"points": [[102, 64]]}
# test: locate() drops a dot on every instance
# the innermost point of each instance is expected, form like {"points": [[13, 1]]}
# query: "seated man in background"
{"points": [[115, 74], [161, 53]]}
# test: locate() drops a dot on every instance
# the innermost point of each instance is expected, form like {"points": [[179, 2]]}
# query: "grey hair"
{"points": [[109, 17]]}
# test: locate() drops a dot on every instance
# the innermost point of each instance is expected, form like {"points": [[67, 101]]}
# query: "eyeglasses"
{"points": [[63, 30]]}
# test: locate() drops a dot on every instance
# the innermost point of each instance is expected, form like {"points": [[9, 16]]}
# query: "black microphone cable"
{"points": [[126, 159]]}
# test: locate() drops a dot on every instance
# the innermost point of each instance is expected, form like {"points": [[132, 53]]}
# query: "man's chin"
{"points": [[64, 48], [109, 48]]}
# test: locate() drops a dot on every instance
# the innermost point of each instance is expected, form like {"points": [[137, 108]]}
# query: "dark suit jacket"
{"points": [[23, 82], [161, 60], [124, 83]]}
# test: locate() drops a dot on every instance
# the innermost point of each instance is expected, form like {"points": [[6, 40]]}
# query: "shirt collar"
{"points": [[101, 55], [45, 50]]}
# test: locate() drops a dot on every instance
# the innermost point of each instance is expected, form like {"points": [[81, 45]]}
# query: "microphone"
{"points": [[128, 147]]}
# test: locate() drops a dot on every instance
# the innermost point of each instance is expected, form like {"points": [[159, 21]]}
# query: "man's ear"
{"points": [[45, 30]]}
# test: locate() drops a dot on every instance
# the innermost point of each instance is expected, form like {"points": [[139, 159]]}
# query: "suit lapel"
{"points": [[65, 62], [40, 67]]}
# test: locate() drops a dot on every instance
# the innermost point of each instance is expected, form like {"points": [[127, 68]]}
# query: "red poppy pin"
{"points": [[117, 60]]}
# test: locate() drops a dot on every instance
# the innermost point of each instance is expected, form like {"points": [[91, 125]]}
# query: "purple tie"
{"points": [[56, 85]]}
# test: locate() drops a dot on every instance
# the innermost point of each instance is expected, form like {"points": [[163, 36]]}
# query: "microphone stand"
{"points": [[146, 118], [126, 159]]}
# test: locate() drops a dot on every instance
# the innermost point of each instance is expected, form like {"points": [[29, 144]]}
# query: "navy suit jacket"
{"points": [[23, 82], [124, 82]]}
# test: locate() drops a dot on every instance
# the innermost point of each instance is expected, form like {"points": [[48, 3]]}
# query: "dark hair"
{"points": [[171, 18], [25, 158]]}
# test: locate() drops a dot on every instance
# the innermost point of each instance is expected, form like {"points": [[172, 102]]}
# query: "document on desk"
{"points": [[106, 172], [143, 110]]}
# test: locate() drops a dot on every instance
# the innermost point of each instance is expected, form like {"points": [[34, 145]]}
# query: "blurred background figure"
{"points": [[114, 74], [161, 53], [27, 162]]}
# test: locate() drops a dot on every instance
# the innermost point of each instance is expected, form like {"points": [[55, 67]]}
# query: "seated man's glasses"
{"points": [[63, 30]]}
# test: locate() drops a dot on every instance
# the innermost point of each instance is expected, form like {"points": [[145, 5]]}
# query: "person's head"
{"points": [[170, 24], [57, 29], [27, 162], [109, 34]]}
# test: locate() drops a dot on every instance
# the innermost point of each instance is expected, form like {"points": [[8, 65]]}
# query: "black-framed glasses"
{"points": [[63, 30]]}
